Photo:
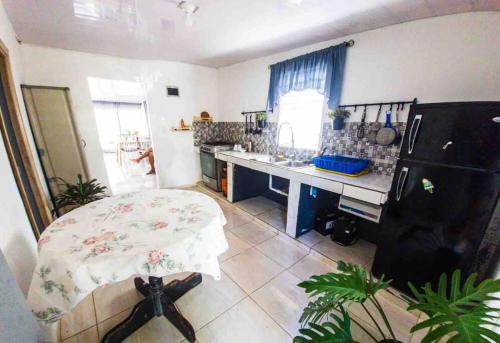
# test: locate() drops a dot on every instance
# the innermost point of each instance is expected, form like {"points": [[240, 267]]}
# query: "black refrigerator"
{"points": [[443, 202]]}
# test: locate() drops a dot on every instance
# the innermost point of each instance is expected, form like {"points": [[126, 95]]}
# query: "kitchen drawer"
{"points": [[327, 185], [362, 194]]}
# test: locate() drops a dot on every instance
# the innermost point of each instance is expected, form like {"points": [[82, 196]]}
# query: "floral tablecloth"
{"points": [[151, 233]]}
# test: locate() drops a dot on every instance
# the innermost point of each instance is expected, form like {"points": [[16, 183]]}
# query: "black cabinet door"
{"points": [[424, 233], [463, 134]]}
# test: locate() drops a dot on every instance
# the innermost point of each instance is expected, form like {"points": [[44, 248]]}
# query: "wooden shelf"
{"points": [[180, 129]]}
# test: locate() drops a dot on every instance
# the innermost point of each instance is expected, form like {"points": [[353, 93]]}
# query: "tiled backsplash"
{"points": [[342, 142], [345, 142]]}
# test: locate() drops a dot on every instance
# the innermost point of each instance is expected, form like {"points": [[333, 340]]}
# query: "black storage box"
{"points": [[324, 221], [344, 231]]}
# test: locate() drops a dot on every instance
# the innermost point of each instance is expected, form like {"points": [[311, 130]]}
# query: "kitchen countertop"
{"points": [[371, 181]]}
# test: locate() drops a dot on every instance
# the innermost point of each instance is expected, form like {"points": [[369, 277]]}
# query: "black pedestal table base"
{"points": [[159, 302]]}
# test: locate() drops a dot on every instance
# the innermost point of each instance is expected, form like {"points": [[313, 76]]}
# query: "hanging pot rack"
{"points": [[400, 104], [254, 112]]}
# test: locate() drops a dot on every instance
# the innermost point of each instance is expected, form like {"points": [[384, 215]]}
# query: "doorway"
{"points": [[58, 144], [122, 120], [19, 151]]}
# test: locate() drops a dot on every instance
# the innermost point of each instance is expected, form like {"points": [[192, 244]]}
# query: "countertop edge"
{"points": [[365, 181]]}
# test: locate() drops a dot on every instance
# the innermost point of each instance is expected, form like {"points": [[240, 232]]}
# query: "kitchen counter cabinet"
{"points": [[371, 188], [311, 176]]}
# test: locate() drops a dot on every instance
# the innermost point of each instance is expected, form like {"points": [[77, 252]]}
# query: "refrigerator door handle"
{"points": [[401, 182], [413, 135]]}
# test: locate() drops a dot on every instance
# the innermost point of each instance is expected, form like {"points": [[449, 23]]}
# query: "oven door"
{"points": [[208, 164]]}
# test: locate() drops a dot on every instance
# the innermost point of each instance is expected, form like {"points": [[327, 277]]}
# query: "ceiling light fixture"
{"points": [[189, 9]]}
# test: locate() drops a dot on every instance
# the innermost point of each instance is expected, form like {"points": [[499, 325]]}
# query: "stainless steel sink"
{"points": [[277, 159], [292, 164]]}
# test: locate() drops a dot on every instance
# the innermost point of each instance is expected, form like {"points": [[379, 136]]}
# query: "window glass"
{"points": [[119, 121], [304, 111]]}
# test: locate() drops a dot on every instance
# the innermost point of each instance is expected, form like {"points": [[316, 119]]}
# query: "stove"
{"points": [[211, 168], [213, 147]]}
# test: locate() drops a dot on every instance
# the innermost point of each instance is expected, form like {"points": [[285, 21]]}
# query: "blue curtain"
{"points": [[321, 70]]}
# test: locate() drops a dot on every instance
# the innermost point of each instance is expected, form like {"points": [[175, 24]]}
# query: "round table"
{"points": [[152, 233]]}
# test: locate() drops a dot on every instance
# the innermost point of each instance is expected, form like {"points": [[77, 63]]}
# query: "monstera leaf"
{"points": [[352, 284], [336, 331], [316, 310], [460, 313]]}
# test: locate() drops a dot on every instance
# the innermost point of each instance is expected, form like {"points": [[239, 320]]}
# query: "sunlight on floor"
{"points": [[129, 177]]}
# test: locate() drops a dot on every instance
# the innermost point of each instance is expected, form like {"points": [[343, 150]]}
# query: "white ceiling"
{"points": [[224, 31]]}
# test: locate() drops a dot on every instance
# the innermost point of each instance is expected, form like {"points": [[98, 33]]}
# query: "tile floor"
{"points": [[270, 212], [130, 177], [256, 300]]}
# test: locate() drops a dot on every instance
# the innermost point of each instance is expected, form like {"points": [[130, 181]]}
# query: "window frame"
{"points": [[321, 120]]}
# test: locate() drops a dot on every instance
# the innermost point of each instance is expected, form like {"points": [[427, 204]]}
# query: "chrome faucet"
{"points": [[278, 140]]}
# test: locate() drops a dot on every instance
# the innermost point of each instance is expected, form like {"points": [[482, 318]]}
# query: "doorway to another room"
{"points": [[121, 116], [59, 146]]}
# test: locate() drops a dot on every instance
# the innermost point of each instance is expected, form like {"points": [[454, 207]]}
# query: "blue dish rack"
{"points": [[346, 165]]}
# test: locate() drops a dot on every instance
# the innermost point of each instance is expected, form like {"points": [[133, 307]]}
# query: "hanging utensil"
{"points": [[250, 128], [361, 129], [396, 127], [246, 124], [387, 134], [372, 133]]}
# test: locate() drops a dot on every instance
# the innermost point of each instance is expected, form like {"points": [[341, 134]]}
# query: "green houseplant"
{"points": [[261, 119], [79, 194], [458, 313], [339, 116]]}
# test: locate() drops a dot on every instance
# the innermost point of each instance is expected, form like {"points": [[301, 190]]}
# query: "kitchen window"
{"points": [[304, 111]]}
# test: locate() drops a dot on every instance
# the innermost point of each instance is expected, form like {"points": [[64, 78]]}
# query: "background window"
{"points": [[304, 110], [116, 121]]}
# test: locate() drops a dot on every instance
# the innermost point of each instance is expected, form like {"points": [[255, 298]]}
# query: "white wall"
{"points": [[451, 58], [17, 240], [176, 159]]}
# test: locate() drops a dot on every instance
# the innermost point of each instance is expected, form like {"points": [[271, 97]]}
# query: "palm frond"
{"points": [[461, 312], [81, 193], [336, 331]]}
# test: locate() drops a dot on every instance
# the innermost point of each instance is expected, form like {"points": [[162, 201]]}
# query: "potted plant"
{"points": [[79, 194], [261, 119], [460, 314], [339, 116]]}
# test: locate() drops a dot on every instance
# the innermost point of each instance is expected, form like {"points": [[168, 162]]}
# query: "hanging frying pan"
{"points": [[372, 134], [387, 134]]}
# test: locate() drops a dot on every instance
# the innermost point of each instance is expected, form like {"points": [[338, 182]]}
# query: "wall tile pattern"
{"points": [[342, 142]]}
